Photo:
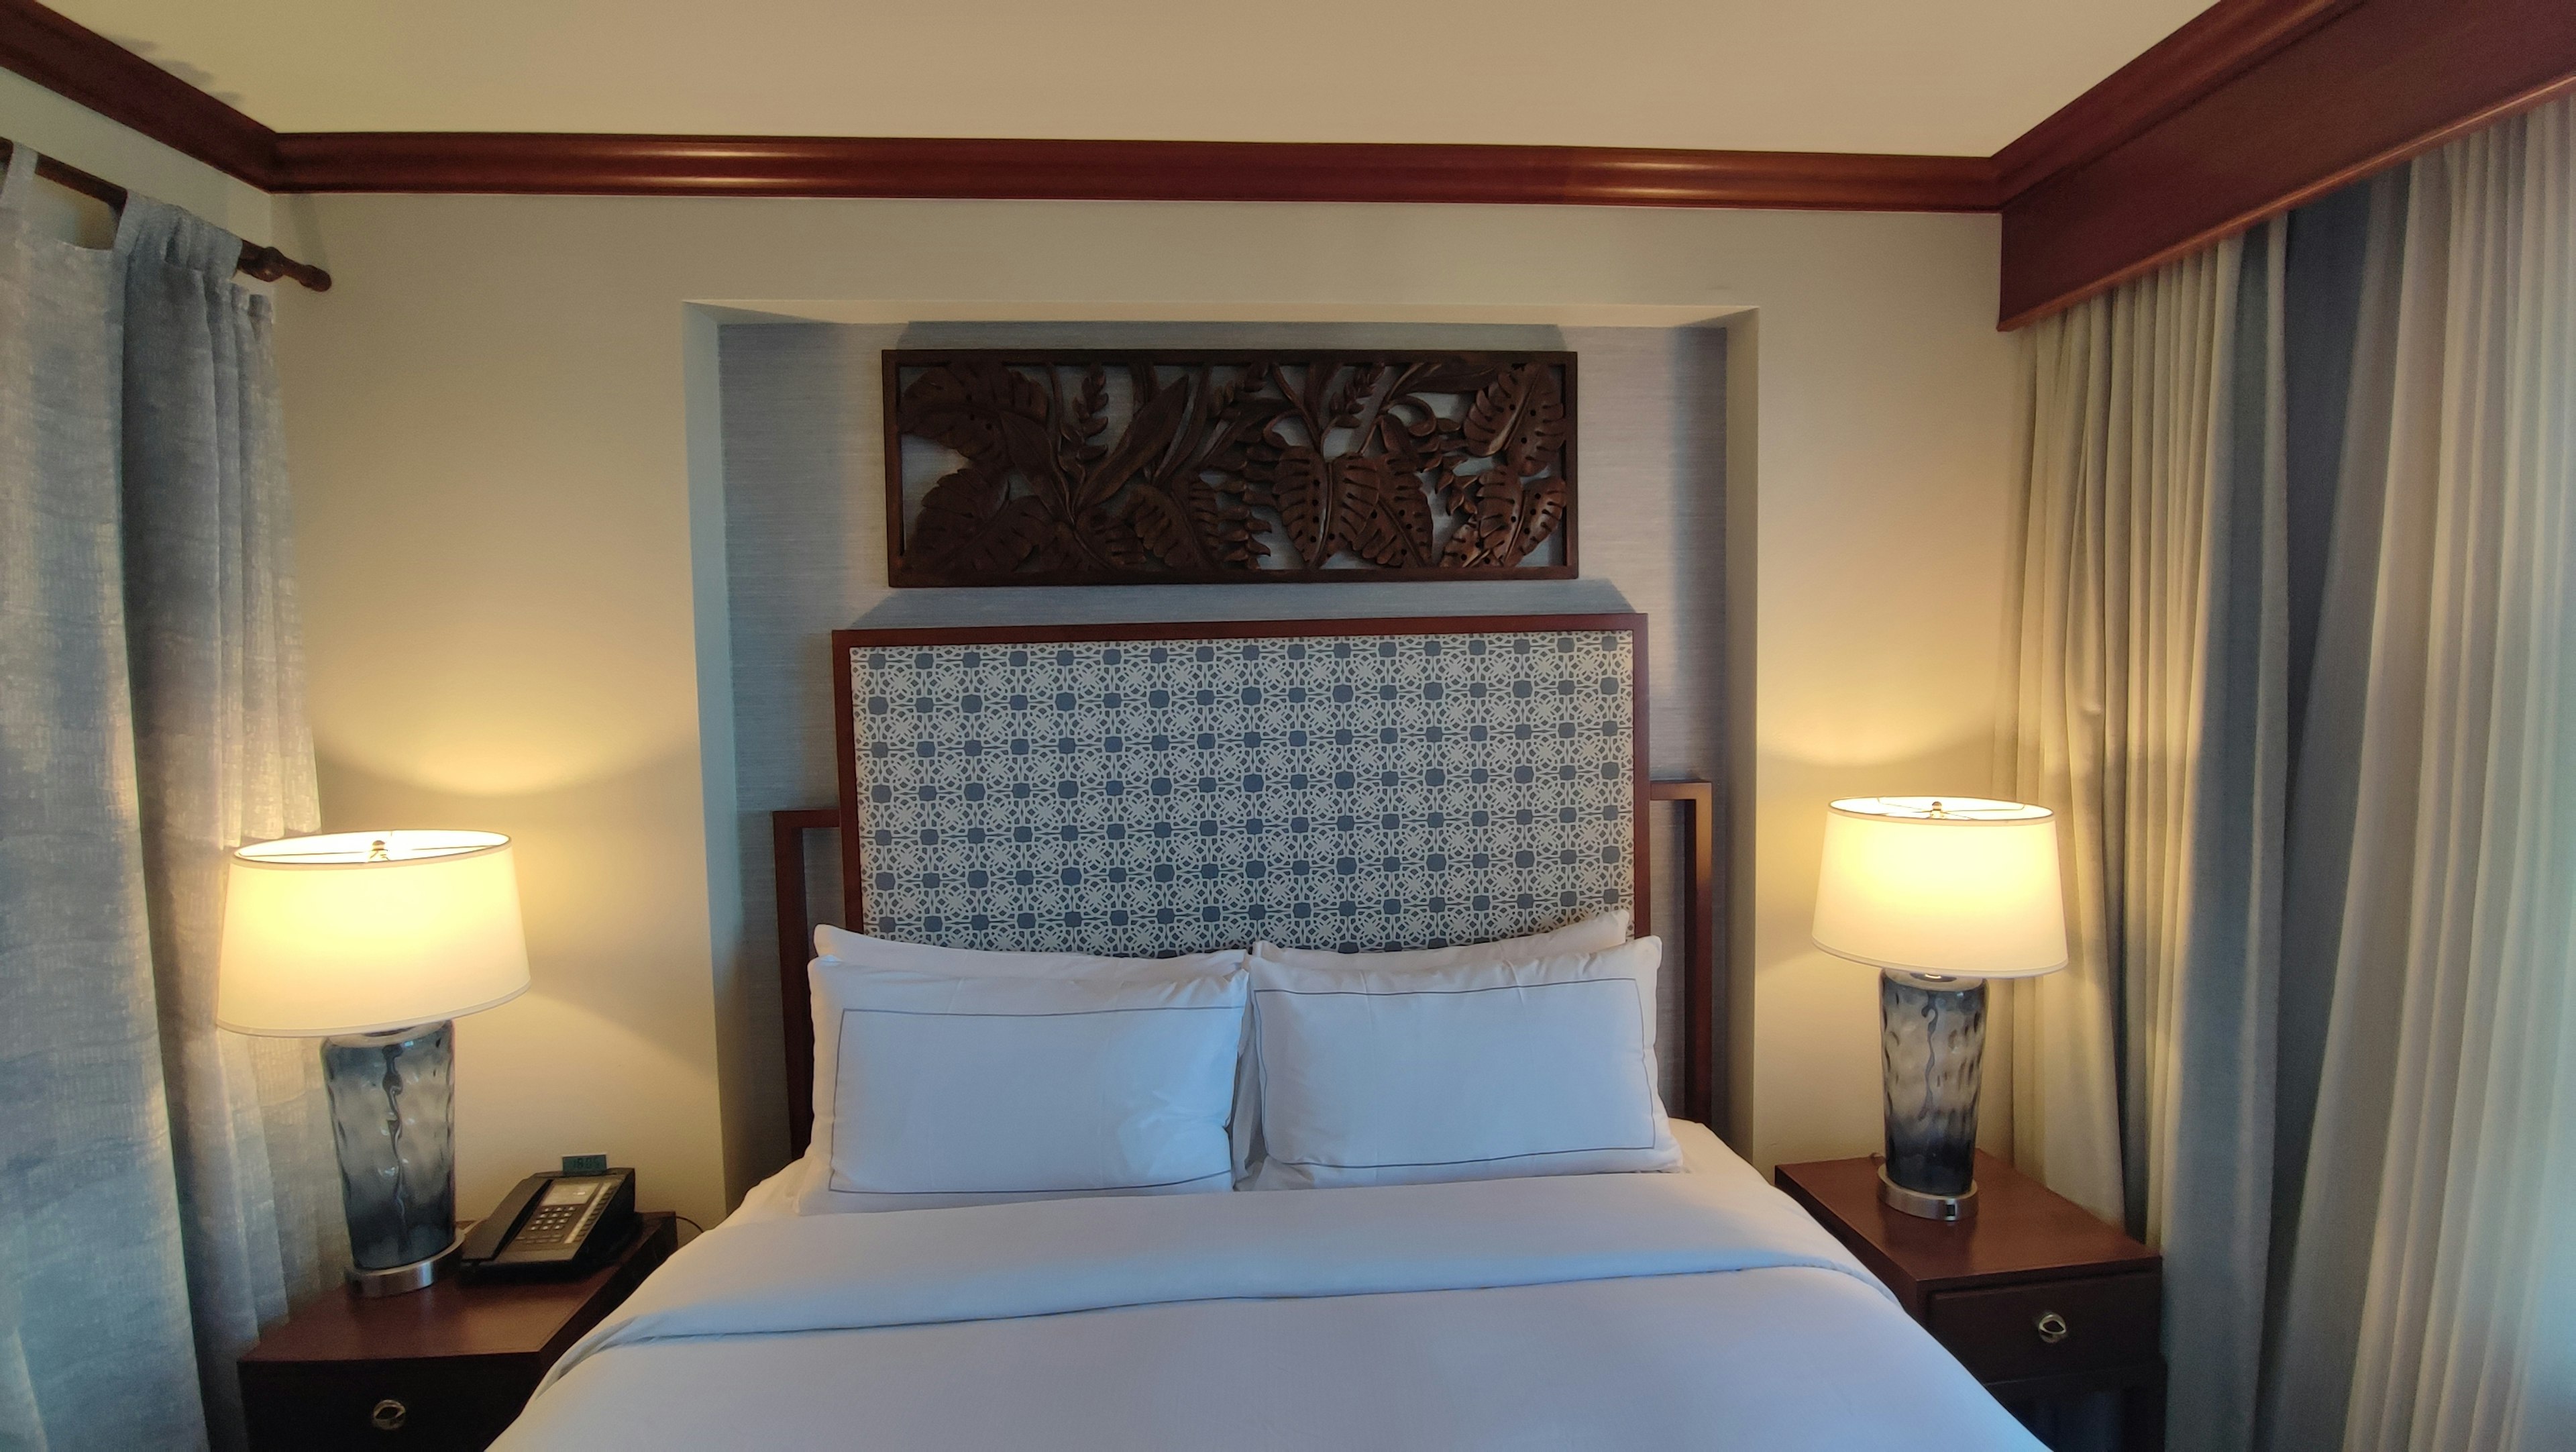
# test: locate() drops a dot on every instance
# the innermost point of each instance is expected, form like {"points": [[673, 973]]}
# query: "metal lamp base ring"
{"points": [[1927, 1206], [395, 1280]]}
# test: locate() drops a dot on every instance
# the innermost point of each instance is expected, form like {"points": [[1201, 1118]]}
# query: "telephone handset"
{"points": [[553, 1222]]}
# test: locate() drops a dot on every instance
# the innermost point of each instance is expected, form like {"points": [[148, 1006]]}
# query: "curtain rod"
{"points": [[265, 263]]}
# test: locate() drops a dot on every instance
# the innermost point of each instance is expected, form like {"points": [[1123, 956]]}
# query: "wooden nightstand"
{"points": [[2036, 1298], [449, 1367]]}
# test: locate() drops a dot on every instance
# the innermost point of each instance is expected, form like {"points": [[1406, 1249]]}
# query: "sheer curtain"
{"points": [[2321, 821], [2429, 1296], [2148, 707], [167, 1187]]}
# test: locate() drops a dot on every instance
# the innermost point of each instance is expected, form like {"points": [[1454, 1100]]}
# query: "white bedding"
{"points": [[1687, 1310]]}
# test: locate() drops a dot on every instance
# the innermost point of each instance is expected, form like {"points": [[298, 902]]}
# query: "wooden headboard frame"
{"points": [[1697, 835]]}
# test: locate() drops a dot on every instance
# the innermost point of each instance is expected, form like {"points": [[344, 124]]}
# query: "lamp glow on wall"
{"points": [[373, 942], [1939, 894]]}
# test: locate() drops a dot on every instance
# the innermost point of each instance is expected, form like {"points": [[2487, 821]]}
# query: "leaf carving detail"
{"points": [[1361, 522], [1116, 540], [1167, 531], [962, 406], [1408, 511], [1542, 510], [1425, 461], [1297, 482], [1489, 518], [1519, 416], [1148, 434], [954, 511], [1010, 537]]}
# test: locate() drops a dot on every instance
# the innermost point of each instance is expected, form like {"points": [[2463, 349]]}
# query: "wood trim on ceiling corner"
{"points": [[1222, 171]]}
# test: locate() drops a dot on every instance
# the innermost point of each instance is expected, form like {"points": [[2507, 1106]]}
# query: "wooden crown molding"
{"points": [[2252, 107], [1163, 171]]}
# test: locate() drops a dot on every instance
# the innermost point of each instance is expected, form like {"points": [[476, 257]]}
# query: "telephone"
{"points": [[553, 1223]]}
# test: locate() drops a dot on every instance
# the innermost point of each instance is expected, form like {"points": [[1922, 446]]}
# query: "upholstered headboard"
{"points": [[1344, 784], [1144, 789]]}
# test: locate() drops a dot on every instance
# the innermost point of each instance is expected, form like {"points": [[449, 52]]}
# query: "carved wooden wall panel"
{"points": [[1118, 466]]}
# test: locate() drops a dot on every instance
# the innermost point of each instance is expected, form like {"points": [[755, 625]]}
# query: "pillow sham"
{"points": [[1597, 933], [1467, 1072], [935, 1089]]}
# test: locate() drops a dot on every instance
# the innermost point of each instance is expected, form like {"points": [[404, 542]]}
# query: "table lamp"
{"points": [[1939, 894], [372, 942]]}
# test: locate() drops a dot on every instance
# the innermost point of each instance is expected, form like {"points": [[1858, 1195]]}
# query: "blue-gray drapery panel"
{"points": [[96, 1353], [166, 1187], [2429, 1300]]}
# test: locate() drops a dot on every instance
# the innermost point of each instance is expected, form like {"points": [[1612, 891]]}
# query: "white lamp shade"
{"points": [[1960, 886], [360, 932]]}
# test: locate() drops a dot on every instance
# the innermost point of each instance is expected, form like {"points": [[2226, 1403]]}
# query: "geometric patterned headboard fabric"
{"points": [[1166, 788]]}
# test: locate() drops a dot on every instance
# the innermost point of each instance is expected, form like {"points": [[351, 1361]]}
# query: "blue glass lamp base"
{"points": [[393, 1098], [1932, 1046]]}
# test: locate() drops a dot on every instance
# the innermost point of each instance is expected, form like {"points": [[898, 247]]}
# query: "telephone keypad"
{"points": [[552, 1223]]}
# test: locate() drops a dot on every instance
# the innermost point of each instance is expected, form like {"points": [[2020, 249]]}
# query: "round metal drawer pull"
{"points": [[2051, 1326], [388, 1416]]}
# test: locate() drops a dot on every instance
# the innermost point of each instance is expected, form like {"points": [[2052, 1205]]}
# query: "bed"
{"points": [[1334, 785]]}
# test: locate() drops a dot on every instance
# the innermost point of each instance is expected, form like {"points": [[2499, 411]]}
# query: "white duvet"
{"points": [[1699, 1309]]}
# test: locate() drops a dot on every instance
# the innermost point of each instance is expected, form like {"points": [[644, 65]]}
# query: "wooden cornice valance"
{"points": [[2362, 86]]}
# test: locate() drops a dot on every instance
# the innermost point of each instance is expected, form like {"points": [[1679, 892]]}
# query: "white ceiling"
{"points": [[1938, 76]]}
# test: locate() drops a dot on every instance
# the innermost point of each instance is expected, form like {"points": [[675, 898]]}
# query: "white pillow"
{"points": [[934, 1090], [1597, 933], [844, 946], [1469, 1072]]}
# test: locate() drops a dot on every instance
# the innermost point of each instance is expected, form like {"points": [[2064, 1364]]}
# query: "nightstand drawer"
{"points": [[2049, 1327], [418, 1406], [458, 1360]]}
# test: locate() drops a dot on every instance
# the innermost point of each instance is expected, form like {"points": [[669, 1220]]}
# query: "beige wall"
{"points": [[488, 429], [492, 422]]}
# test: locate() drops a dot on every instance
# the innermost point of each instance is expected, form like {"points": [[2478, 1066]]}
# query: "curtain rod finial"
{"points": [[270, 265]]}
